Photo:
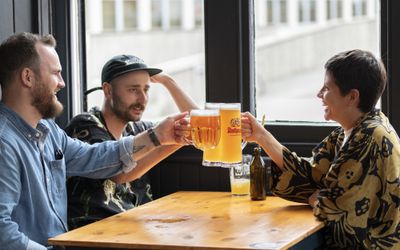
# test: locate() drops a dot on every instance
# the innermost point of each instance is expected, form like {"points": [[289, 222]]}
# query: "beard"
{"points": [[45, 102], [122, 111]]}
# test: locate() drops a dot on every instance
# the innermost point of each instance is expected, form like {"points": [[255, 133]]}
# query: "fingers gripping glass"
{"points": [[205, 128]]}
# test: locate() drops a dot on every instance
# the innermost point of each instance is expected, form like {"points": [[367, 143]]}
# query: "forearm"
{"points": [[162, 134], [272, 147], [182, 100], [142, 145], [146, 163]]}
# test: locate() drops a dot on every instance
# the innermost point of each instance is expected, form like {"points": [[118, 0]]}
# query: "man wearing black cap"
{"points": [[125, 82]]}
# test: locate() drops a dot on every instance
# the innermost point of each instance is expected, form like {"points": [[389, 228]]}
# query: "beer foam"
{"points": [[204, 112], [212, 105], [230, 106]]}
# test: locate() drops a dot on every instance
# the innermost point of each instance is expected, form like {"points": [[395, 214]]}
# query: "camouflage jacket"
{"points": [[359, 183], [90, 200]]}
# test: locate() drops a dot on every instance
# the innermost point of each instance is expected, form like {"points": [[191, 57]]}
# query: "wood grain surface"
{"points": [[200, 220]]}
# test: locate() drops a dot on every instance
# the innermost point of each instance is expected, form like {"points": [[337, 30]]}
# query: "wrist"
{"points": [[168, 82], [153, 137]]}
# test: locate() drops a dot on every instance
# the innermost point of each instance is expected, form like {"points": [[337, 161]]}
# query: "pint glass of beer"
{"points": [[205, 128], [211, 157], [231, 134]]}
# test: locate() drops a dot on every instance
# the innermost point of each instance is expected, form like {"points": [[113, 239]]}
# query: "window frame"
{"points": [[390, 52], [229, 54], [229, 35], [61, 12]]}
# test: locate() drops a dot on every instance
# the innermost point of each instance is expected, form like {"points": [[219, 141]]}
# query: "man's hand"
{"points": [[182, 131], [166, 132], [161, 78]]}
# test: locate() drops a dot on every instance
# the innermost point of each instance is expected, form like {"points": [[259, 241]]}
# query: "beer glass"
{"points": [[205, 128], [231, 134], [211, 157], [240, 177]]}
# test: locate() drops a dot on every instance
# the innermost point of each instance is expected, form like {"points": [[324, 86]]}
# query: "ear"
{"points": [[107, 89], [27, 77], [354, 97]]}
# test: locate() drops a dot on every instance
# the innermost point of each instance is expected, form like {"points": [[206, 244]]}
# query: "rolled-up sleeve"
{"points": [[126, 153]]}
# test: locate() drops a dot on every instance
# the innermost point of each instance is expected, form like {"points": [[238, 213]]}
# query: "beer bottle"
{"points": [[257, 176]]}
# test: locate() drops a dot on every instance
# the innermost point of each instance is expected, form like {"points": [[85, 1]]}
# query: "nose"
{"points": [[143, 96], [319, 94], [61, 83]]}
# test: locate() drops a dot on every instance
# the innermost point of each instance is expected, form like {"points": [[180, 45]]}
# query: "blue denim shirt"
{"points": [[34, 164]]}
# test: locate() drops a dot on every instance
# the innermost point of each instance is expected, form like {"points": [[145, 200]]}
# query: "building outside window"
{"points": [[156, 14], [176, 13], [130, 14], [290, 57], [108, 15]]}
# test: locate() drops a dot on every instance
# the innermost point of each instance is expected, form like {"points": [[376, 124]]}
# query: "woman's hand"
{"points": [[252, 130]]}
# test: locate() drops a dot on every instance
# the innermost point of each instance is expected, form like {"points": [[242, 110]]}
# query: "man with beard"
{"points": [[36, 155], [126, 81]]}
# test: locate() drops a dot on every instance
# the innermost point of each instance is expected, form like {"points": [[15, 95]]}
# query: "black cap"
{"points": [[122, 64]]}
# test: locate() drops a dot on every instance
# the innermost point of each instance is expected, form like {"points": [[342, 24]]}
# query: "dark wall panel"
{"points": [[390, 51], [183, 171], [6, 19], [229, 52], [23, 16], [42, 16]]}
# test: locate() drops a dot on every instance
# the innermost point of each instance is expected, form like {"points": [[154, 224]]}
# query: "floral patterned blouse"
{"points": [[359, 183]]}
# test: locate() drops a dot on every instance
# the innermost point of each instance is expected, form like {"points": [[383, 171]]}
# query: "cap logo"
{"points": [[133, 60]]}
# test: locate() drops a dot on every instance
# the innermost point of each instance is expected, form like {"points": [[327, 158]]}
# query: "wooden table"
{"points": [[200, 220]]}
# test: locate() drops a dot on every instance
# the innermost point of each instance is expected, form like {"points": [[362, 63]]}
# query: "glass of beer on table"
{"points": [[205, 128], [240, 177]]}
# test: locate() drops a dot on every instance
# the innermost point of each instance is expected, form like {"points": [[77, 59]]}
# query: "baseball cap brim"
{"points": [[151, 71]]}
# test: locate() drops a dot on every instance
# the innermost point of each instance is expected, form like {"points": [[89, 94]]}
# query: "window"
{"points": [[156, 15], [198, 13], [130, 10], [334, 8], [307, 11], [290, 57], [146, 33], [176, 13], [108, 15]]}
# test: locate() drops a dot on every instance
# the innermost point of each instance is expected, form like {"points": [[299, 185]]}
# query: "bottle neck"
{"points": [[257, 152]]}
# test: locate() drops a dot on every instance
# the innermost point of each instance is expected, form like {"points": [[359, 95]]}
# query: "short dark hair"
{"points": [[18, 51], [359, 69]]}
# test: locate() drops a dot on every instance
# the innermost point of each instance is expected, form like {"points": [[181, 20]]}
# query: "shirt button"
{"points": [[29, 135], [37, 135]]}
